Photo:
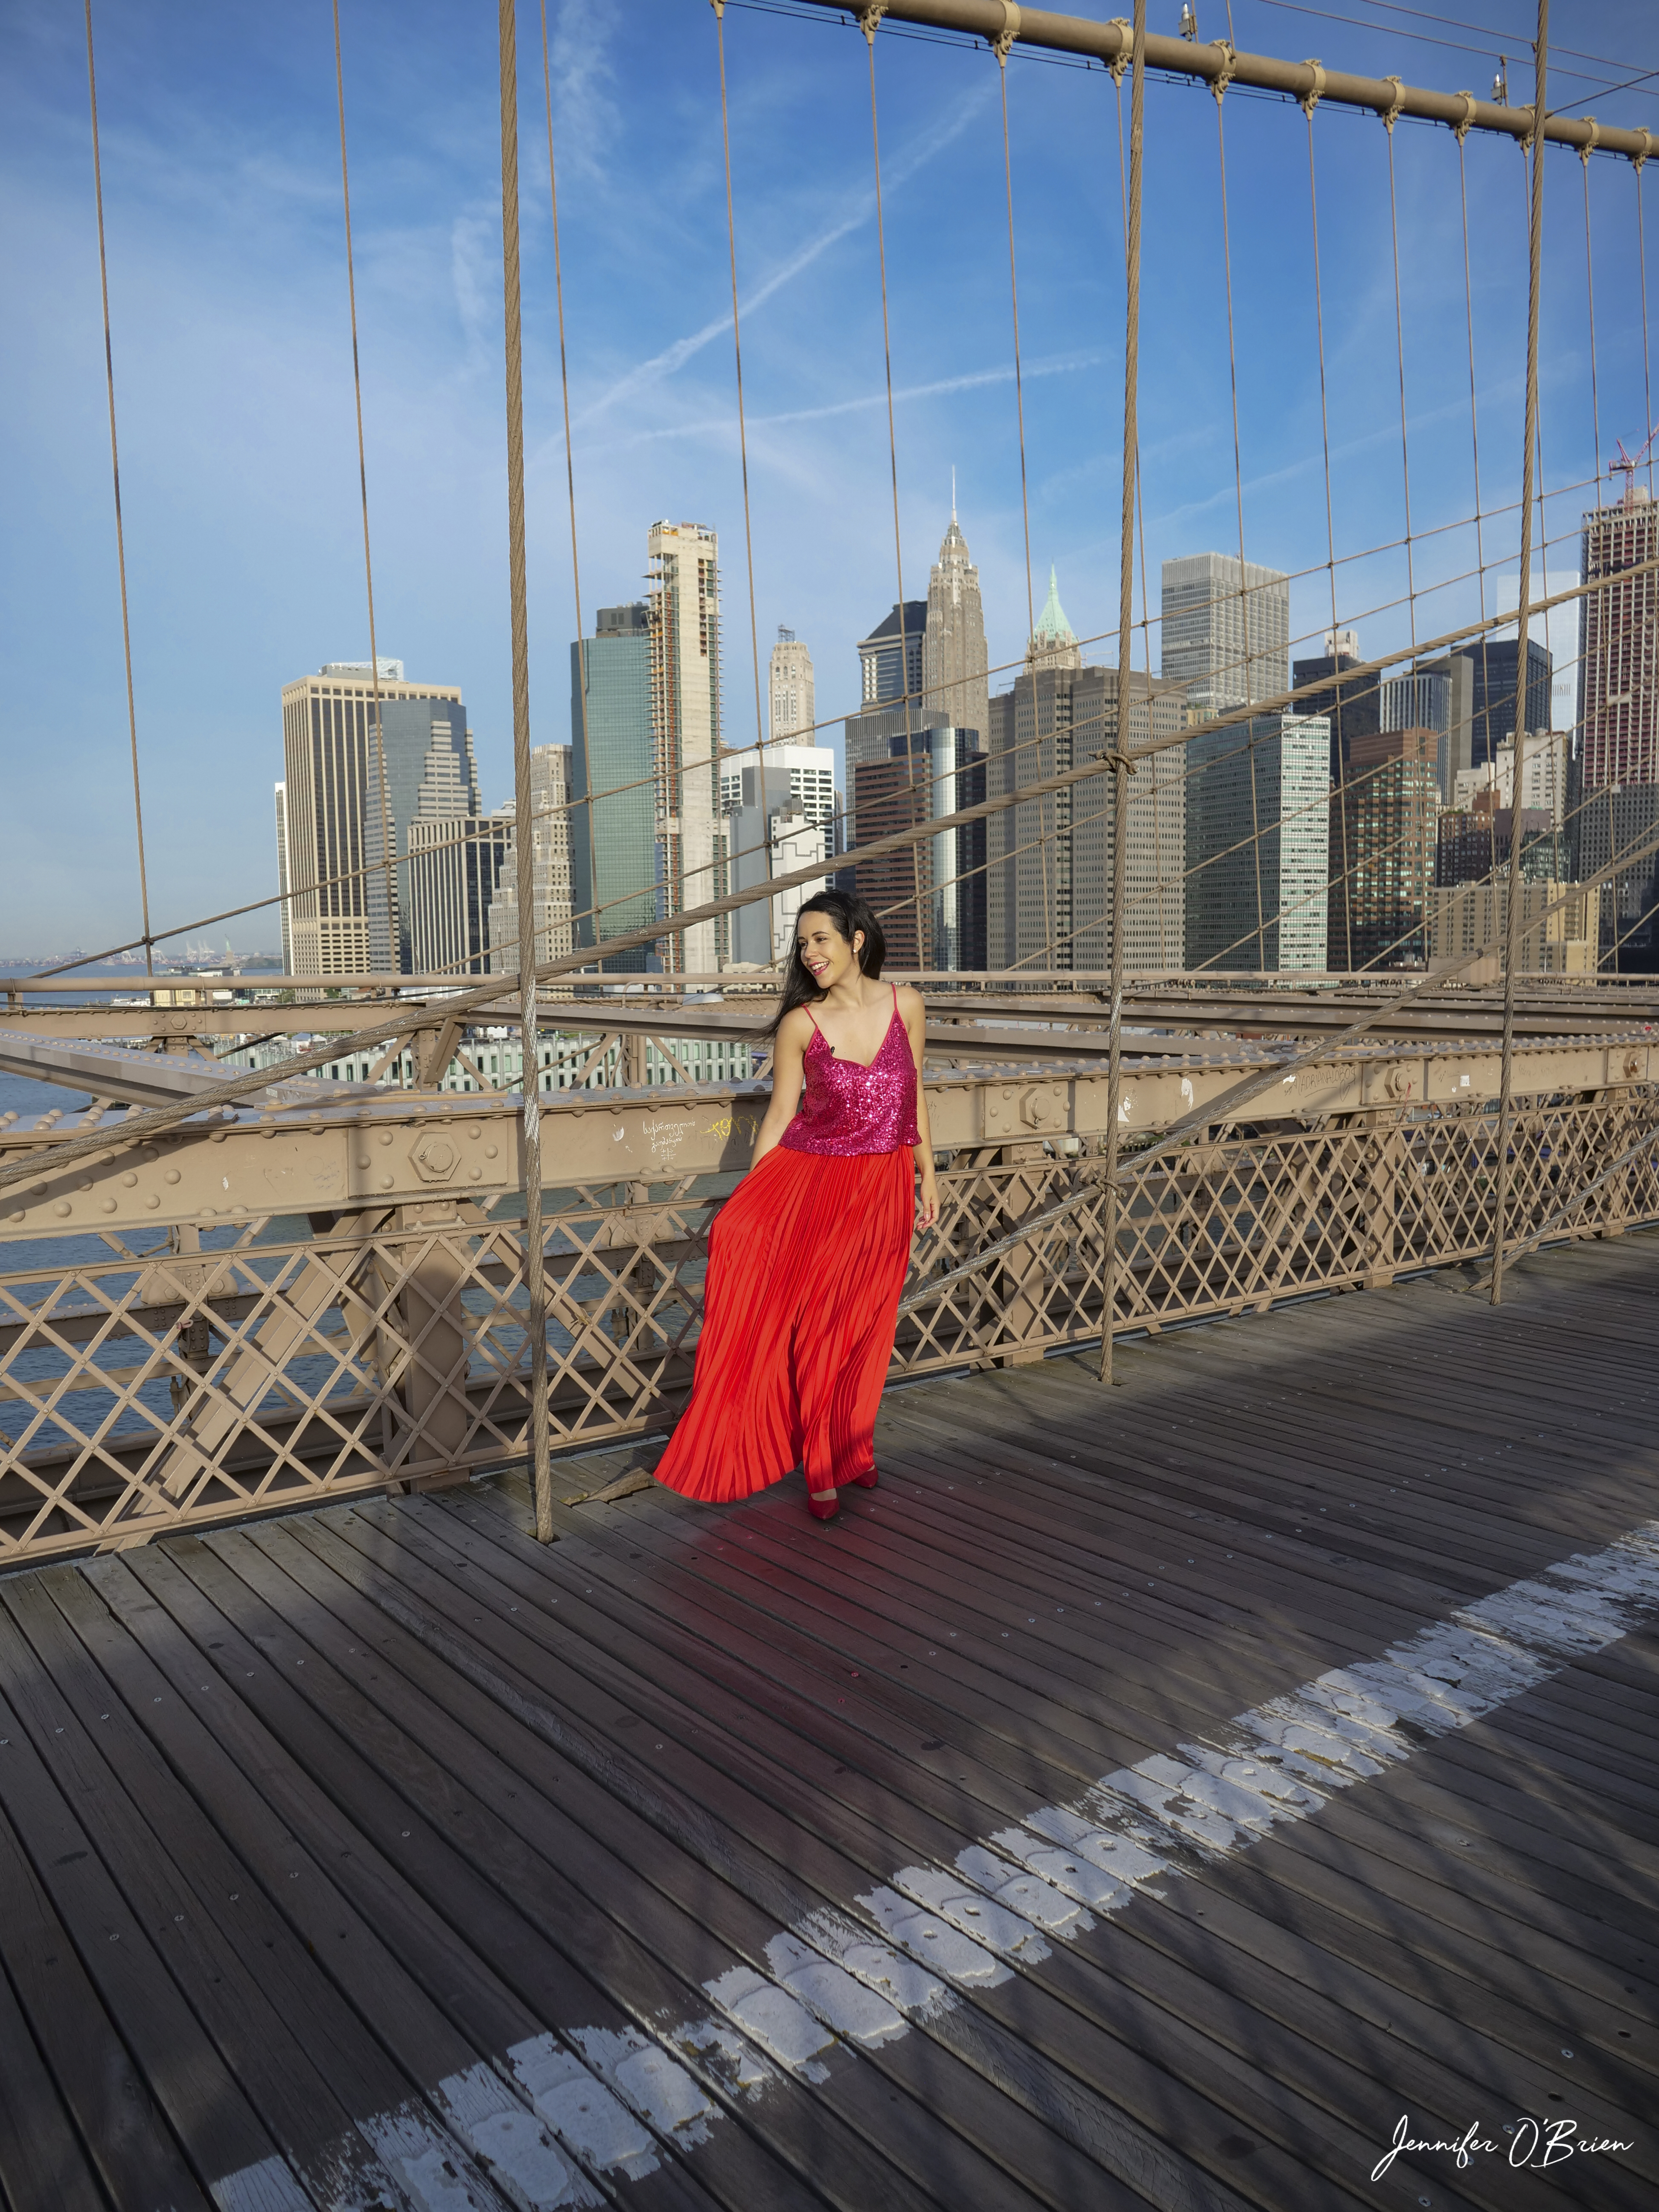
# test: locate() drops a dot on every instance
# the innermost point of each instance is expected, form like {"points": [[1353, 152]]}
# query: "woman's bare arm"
{"points": [[914, 1016], [788, 1075]]}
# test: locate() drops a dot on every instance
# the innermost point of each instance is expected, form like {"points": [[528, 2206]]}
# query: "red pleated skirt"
{"points": [[806, 1261]]}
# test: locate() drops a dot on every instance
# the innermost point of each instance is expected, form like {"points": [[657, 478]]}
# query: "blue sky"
{"points": [[233, 385]]}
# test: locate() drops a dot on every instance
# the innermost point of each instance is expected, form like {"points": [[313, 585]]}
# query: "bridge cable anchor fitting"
{"points": [[1391, 113], [1008, 33], [1121, 60], [1592, 141], [1229, 54], [869, 17], [1460, 131], [1310, 99]]}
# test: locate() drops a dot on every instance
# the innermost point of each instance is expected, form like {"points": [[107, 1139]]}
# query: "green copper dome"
{"points": [[1051, 621]]}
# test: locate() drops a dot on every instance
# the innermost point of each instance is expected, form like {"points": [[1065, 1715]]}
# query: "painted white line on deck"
{"points": [[1044, 1879]]}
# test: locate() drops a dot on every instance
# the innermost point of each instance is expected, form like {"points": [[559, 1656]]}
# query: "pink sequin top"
{"points": [[846, 1108]]}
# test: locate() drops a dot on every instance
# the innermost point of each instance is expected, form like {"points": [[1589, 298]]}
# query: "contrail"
{"points": [[674, 357], [970, 380]]}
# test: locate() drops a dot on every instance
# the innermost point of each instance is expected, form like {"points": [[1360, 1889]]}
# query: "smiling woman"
{"points": [[808, 1256]]}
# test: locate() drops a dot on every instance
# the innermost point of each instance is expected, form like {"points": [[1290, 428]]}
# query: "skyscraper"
{"points": [[955, 686], [1618, 647], [1227, 630], [1497, 663], [613, 835], [1049, 860], [1614, 796], [1352, 707], [551, 848], [282, 875], [684, 566], [1384, 822], [1258, 844], [454, 871], [890, 659], [790, 689], [331, 817]]}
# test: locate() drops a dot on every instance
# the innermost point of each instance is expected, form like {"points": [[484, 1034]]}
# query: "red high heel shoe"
{"points": [[868, 1480], [823, 1509]]}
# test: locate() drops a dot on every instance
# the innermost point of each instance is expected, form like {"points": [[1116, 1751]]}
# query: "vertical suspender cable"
{"points": [[868, 23], [1405, 449], [570, 487], [115, 478], [1589, 304], [1219, 88], [1330, 562], [1013, 290], [1159, 794], [534, 1260], [1523, 616], [1121, 732], [743, 455], [377, 741], [1641, 268], [1001, 48], [1475, 438]]}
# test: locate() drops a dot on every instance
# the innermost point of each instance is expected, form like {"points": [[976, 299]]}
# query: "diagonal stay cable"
{"points": [[140, 1129], [388, 845], [148, 941], [569, 468], [1214, 1112], [743, 436]]}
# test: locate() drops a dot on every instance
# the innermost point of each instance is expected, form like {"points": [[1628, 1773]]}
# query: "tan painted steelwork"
{"points": [[274, 1310]]}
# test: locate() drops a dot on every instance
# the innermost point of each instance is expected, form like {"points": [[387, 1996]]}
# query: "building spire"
{"points": [[953, 491]]}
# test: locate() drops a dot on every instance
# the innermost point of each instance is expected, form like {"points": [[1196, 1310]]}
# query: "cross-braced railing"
{"points": [[201, 1374]]}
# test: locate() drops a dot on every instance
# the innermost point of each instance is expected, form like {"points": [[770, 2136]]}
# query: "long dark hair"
{"points": [[849, 914]]}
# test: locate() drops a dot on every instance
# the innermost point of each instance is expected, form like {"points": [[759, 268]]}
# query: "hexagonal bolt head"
{"points": [[435, 1158]]}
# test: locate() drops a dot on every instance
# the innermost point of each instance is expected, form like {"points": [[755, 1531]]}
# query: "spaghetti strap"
{"points": [[813, 1019]]}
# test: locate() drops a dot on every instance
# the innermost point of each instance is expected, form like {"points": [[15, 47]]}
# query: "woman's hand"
{"points": [[927, 1198]]}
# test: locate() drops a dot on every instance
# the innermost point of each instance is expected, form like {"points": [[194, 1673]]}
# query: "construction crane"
{"points": [[1627, 464]]}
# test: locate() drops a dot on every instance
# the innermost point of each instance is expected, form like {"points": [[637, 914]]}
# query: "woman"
{"points": [[808, 1255]]}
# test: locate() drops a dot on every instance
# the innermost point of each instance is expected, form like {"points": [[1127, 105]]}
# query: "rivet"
{"points": [[172, 1175], [61, 1208], [152, 1201], [107, 1205], [130, 1180]]}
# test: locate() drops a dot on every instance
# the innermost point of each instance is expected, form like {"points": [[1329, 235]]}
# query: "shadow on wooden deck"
{"points": [[987, 1848]]}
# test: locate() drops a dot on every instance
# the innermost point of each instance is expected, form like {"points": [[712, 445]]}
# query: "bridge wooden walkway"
{"points": [[378, 1858]]}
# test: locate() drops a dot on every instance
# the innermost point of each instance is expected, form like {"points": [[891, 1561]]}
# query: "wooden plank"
{"points": [[744, 1914], [431, 2061], [1444, 2046], [560, 1960], [43, 2162], [212, 1927], [173, 2064], [1089, 1995]]}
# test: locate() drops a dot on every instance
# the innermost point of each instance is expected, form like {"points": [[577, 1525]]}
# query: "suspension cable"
{"points": [[377, 743], [1001, 52], [570, 488], [1405, 447], [1589, 303], [1474, 444], [1120, 724], [535, 1274], [868, 22], [1341, 749], [743, 456], [1522, 630], [1013, 291], [1642, 266], [148, 941]]}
